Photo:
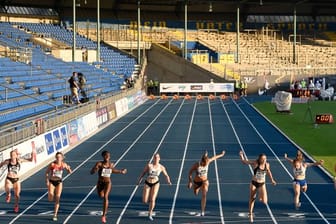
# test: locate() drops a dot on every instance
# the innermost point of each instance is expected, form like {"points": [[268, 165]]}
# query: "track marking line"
{"points": [[155, 151], [242, 148], [80, 165], [182, 165], [120, 158], [281, 163], [215, 163]]}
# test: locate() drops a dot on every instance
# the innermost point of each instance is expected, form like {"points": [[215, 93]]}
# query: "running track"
{"points": [[180, 131]]}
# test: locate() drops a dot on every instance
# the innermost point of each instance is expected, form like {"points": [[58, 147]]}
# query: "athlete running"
{"points": [[12, 180], [54, 180], [299, 182], [152, 183], [104, 185], [260, 168], [200, 180]]}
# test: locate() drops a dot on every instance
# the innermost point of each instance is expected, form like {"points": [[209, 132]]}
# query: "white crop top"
{"points": [[154, 172], [202, 171]]}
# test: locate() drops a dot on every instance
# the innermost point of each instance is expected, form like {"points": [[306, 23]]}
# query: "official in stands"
{"points": [[74, 87], [237, 87], [82, 84], [12, 180], [150, 86]]}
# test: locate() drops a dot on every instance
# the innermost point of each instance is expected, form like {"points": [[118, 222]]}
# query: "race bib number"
{"points": [[14, 169], [58, 173], [260, 175], [106, 172]]}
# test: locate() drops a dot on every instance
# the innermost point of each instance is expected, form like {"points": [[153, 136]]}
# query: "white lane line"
{"points": [[182, 165], [216, 167], [156, 150], [281, 163], [116, 163], [242, 148], [80, 165]]}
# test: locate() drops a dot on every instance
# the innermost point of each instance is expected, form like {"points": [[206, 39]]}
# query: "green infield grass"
{"points": [[317, 140]]}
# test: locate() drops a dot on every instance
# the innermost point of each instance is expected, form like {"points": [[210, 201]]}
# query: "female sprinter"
{"points": [[260, 168], [105, 168], [54, 183], [299, 182], [201, 178], [12, 179], [152, 183]]}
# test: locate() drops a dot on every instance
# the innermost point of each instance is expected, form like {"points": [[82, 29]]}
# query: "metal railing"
{"points": [[27, 130]]}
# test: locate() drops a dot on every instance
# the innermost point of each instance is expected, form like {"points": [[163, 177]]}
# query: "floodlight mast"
{"points": [[74, 30], [185, 28], [138, 34], [98, 31]]}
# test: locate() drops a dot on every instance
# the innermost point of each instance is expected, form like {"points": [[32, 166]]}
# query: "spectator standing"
{"points": [[81, 84], [237, 86], [74, 87]]}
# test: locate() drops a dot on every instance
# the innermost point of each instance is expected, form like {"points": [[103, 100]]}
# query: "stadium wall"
{"points": [[165, 66]]}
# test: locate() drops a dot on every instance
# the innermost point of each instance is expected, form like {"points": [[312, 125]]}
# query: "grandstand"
{"points": [[36, 85]]}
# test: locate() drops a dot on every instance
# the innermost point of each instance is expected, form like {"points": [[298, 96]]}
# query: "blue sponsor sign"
{"points": [[57, 140], [49, 143], [64, 136]]}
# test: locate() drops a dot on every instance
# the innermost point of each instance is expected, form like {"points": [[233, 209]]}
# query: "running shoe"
{"points": [[297, 206], [8, 198], [16, 208], [54, 218], [103, 219], [150, 218], [202, 213], [250, 215]]}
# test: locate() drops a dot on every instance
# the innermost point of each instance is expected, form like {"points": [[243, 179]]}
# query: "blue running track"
{"points": [[180, 131]]}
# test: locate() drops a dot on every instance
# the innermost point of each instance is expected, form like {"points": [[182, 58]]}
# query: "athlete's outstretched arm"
{"points": [[47, 174], [317, 163], [164, 171], [68, 168], [145, 170], [217, 156], [270, 173], [288, 159], [95, 168], [5, 162], [244, 160], [190, 174], [122, 171]]}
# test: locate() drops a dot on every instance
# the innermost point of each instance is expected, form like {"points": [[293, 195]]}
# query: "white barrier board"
{"points": [[196, 87]]}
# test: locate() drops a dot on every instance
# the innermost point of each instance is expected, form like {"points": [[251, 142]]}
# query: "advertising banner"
{"points": [[121, 106], [102, 116], [111, 111], [197, 87]]}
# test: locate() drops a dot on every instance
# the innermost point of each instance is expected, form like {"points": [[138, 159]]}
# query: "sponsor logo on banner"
{"points": [[64, 136], [73, 132], [57, 140], [196, 87], [49, 143], [102, 116], [121, 106], [130, 102], [3, 169]]}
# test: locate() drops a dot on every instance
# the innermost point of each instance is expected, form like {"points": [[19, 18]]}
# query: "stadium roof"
{"points": [[247, 7]]}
